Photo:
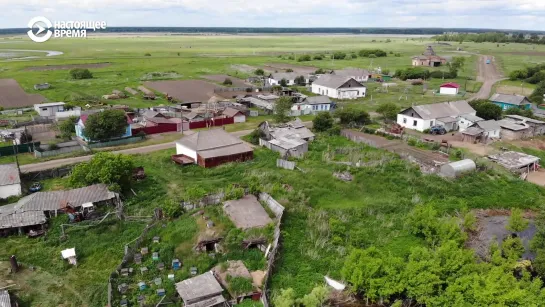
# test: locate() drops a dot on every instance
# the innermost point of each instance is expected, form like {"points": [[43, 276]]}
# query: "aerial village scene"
{"points": [[146, 167]]}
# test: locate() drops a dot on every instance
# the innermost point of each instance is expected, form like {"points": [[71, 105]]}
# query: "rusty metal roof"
{"points": [[9, 174]]}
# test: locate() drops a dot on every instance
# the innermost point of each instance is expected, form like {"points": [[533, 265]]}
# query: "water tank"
{"points": [[455, 169]]}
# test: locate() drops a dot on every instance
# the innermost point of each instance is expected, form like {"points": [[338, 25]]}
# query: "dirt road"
{"points": [[132, 151], [488, 74]]}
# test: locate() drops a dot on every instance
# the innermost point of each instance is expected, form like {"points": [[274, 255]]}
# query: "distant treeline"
{"points": [[494, 37], [227, 30]]}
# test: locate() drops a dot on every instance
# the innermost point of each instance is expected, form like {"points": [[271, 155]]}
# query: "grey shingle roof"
{"points": [[443, 109], [473, 131], [510, 99], [488, 125], [214, 143], [472, 118], [29, 210], [9, 174], [317, 100], [199, 287], [525, 119], [333, 81]]}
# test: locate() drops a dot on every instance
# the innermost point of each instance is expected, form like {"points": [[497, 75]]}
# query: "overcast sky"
{"points": [[497, 14]]}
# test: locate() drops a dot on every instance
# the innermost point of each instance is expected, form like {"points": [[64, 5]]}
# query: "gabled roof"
{"points": [[230, 112], [351, 72], [510, 99], [9, 174], [473, 131], [285, 75], [214, 143], [317, 100], [472, 118], [191, 115], [488, 125], [199, 287], [443, 109], [334, 81], [450, 85], [152, 114]]}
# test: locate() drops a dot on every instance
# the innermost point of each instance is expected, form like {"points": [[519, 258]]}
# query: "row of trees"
{"points": [[487, 110], [533, 75], [492, 37], [443, 272], [340, 55], [455, 65]]}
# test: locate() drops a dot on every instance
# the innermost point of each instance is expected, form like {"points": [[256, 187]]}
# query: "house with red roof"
{"points": [[80, 127], [449, 88]]}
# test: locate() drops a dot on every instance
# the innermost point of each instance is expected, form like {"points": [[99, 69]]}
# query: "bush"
{"points": [[376, 52], [388, 110], [335, 130], [104, 167], [319, 57], [147, 54], [354, 56], [259, 72], [255, 136], [304, 58], [227, 81], [319, 71], [322, 122], [80, 73], [53, 146], [289, 70], [339, 55], [412, 73], [397, 55], [350, 116]]}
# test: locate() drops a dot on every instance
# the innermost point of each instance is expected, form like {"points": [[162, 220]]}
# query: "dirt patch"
{"points": [[67, 66], [12, 95], [491, 226], [221, 78], [184, 90], [295, 68], [244, 68], [537, 177]]}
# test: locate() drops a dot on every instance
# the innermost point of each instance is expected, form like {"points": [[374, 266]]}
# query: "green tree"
{"points": [[80, 73], [456, 64], [388, 110], [259, 72], [517, 222], [300, 81], [322, 122], [351, 116], [282, 109], [286, 298], [512, 248], [518, 111], [486, 109], [283, 82], [114, 170], [105, 125], [68, 127], [339, 55]]}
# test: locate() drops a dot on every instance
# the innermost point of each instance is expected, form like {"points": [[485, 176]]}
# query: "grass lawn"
{"points": [[326, 217]]}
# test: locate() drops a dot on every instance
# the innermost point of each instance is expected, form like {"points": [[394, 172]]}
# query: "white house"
{"points": [[312, 105], [360, 75], [10, 182], [446, 114], [467, 120], [338, 87], [450, 88], [274, 79], [49, 109]]}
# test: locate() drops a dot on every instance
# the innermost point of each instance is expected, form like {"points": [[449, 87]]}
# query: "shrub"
{"points": [[300, 80], [319, 71], [53, 146], [335, 130], [227, 81], [289, 70], [259, 72], [255, 136], [397, 55], [304, 58], [376, 52], [412, 73], [350, 116], [104, 167], [80, 73], [339, 55], [147, 54], [354, 56], [322, 122], [319, 57]]}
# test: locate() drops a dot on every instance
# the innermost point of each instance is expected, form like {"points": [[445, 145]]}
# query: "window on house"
{"points": [[412, 114], [415, 122], [44, 109], [404, 120]]}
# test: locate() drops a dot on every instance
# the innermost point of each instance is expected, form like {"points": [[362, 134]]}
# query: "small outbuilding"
{"points": [[516, 161], [237, 115], [201, 291], [455, 169], [49, 109], [247, 212], [449, 88]]}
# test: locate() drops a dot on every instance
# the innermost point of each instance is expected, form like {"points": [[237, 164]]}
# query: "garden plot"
{"points": [[184, 90], [491, 225], [221, 78], [12, 95]]}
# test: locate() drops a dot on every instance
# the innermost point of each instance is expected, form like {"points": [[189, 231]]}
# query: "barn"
{"points": [[209, 148]]}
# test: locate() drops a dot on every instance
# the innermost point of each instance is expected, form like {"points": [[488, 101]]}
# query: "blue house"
{"points": [[80, 127], [511, 101]]}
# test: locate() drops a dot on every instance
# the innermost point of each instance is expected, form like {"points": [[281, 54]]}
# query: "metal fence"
{"points": [[21, 148]]}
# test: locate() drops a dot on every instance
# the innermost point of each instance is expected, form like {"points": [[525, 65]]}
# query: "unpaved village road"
{"points": [[488, 74], [132, 151]]}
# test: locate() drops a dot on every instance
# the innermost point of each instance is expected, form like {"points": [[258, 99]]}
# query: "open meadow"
{"points": [[326, 218]]}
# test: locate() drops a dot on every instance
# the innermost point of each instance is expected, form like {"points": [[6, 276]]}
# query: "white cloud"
{"points": [[505, 14]]}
